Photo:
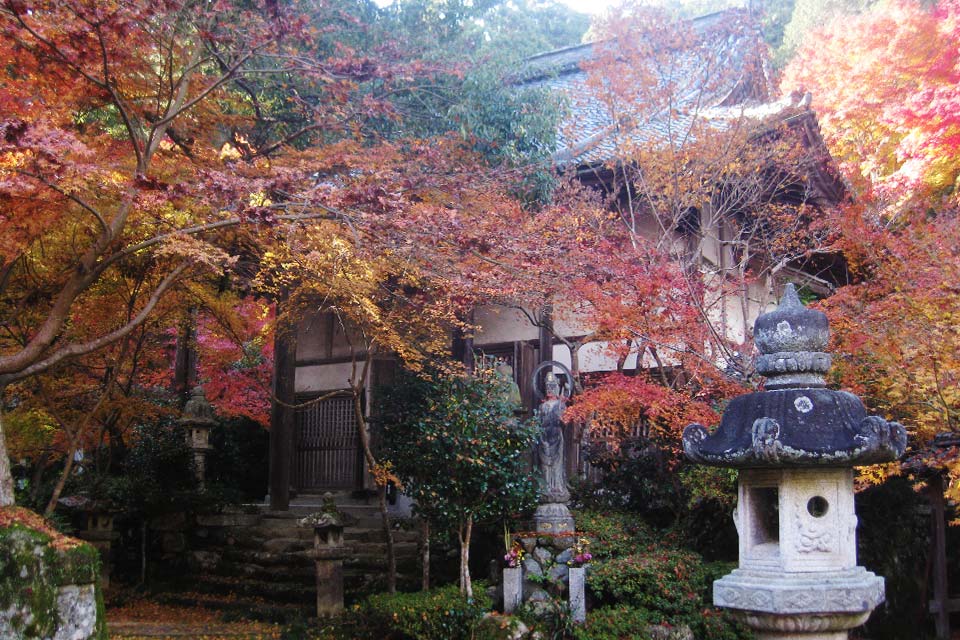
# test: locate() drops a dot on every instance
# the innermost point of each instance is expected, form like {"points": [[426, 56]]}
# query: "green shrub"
{"points": [[614, 623], [614, 534], [716, 624], [669, 582], [438, 614]]}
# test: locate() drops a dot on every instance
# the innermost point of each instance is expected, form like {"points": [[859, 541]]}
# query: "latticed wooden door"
{"points": [[327, 451]]}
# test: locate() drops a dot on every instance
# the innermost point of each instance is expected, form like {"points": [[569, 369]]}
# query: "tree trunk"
{"points": [[388, 530], [39, 466], [357, 389], [466, 585], [425, 555], [6, 478], [58, 489]]}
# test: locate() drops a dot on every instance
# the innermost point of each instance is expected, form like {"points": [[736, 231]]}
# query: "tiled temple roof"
{"points": [[590, 135]]}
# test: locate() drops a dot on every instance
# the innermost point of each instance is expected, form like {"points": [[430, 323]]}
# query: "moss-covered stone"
{"points": [[37, 571]]}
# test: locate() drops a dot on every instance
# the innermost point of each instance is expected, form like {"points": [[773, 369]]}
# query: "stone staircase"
{"points": [[260, 564]]}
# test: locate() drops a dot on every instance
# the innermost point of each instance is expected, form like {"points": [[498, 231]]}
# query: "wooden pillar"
{"points": [[463, 345], [940, 605], [281, 416], [546, 334]]}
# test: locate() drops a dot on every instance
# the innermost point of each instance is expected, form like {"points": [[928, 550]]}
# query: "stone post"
{"points": [[578, 600], [328, 554], [512, 588], [796, 444]]}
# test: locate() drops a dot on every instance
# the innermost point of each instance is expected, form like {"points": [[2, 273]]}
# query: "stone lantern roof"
{"points": [[198, 410], [814, 426]]}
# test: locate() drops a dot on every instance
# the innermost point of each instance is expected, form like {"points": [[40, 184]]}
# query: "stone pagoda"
{"points": [[796, 444]]}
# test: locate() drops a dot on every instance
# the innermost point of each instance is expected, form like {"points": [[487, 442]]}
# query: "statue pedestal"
{"points": [[553, 517]]}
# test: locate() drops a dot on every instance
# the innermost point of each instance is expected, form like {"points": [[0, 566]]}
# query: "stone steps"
{"points": [[281, 589], [267, 557], [244, 607]]}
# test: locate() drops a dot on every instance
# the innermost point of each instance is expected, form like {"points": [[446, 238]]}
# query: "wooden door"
{"points": [[327, 452]]}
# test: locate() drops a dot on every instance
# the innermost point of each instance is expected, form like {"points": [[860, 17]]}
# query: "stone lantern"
{"points": [[197, 420], [328, 553], [796, 444]]}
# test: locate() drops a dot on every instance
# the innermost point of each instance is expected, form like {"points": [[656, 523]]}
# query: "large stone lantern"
{"points": [[796, 445], [197, 420]]}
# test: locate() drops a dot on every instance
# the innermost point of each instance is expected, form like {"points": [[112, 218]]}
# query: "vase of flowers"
{"points": [[581, 554], [513, 578]]}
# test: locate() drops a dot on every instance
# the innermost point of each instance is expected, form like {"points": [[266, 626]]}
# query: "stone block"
{"points": [[77, 612], [542, 555], [558, 573], [664, 632], [532, 567]]}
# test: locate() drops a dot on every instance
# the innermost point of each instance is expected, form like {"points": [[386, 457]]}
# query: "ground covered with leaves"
{"points": [[143, 618]]}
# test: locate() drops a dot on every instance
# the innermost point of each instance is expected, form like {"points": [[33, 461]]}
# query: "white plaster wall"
{"points": [[502, 324], [312, 336], [571, 319], [325, 377]]}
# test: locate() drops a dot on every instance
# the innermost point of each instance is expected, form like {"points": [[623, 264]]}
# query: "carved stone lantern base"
{"points": [[819, 605], [553, 517]]}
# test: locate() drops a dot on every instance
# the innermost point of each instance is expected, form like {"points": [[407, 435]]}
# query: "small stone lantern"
{"points": [[197, 420], [329, 553], [796, 444]]}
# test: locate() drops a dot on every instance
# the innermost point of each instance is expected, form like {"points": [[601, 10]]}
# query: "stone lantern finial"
{"points": [[792, 341]]}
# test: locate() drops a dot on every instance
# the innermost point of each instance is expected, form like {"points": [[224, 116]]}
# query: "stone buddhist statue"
{"points": [[550, 448], [552, 516]]}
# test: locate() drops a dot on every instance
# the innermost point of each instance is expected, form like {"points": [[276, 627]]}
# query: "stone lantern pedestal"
{"points": [[796, 444]]}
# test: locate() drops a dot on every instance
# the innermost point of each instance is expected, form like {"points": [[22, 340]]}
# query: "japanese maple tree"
{"points": [[885, 85], [134, 133]]}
